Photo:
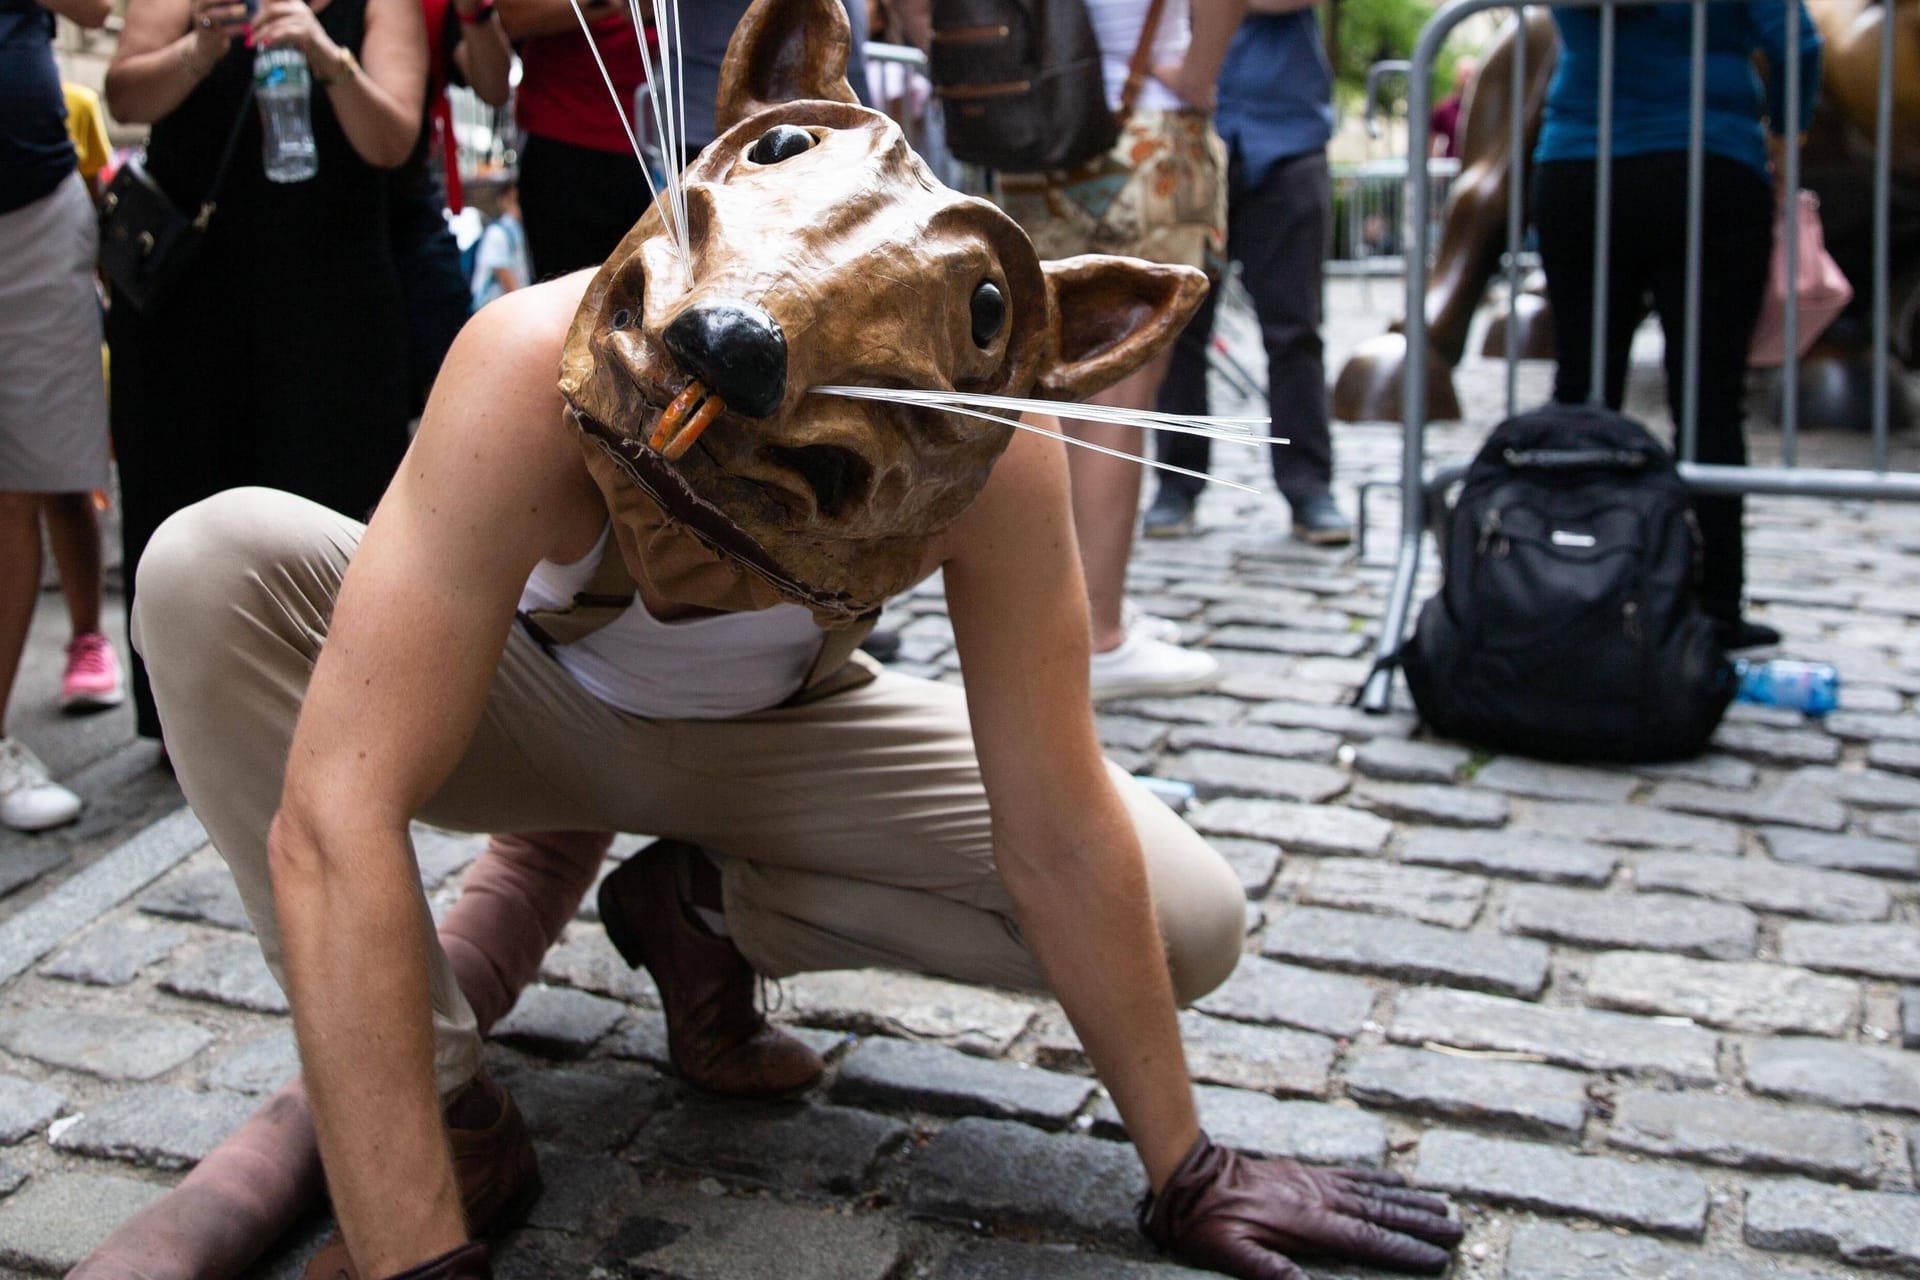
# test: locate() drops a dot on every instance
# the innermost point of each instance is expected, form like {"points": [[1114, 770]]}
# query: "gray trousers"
{"points": [[851, 832]]}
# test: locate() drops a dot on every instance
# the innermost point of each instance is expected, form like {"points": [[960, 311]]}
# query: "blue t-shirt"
{"points": [[1276, 91], [35, 153], [1653, 52]]}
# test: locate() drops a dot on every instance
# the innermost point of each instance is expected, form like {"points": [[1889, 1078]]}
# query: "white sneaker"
{"points": [[1138, 621], [29, 799], [1142, 666]]}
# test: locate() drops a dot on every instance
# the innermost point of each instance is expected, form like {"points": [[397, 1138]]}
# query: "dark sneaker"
{"points": [[1318, 519], [1739, 633], [1170, 516]]}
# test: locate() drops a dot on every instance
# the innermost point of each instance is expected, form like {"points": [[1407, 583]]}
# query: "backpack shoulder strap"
{"points": [[610, 592], [607, 594]]}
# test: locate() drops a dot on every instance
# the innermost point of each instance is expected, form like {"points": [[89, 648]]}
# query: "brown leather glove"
{"points": [[1236, 1214], [468, 1262]]}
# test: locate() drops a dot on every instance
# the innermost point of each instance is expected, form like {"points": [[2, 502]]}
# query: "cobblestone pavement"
{"points": [[1656, 1022]]}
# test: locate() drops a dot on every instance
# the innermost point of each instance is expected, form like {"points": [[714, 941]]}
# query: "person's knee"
{"points": [[196, 565], [1204, 934]]}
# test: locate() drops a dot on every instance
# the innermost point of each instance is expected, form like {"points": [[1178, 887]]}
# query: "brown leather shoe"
{"points": [[717, 1038], [493, 1162]]}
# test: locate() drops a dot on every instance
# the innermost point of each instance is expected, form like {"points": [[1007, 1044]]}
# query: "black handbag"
{"points": [[1021, 82], [146, 242]]}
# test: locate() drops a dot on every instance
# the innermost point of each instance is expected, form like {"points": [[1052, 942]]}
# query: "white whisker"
{"points": [[985, 416], [668, 108], [1230, 430], [1154, 463], [680, 83], [632, 140], [663, 121]]}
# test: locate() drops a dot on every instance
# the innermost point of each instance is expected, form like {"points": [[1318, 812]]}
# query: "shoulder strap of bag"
{"points": [[610, 592], [1141, 64], [212, 202]]}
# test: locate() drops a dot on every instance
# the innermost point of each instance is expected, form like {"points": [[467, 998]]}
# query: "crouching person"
{"points": [[630, 602]]}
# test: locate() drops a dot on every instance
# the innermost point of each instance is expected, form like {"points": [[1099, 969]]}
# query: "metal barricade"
{"points": [[898, 75], [1422, 495]]}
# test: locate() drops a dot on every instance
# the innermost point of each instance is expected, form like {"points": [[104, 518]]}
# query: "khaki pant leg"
{"points": [[855, 832], [234, 598]]}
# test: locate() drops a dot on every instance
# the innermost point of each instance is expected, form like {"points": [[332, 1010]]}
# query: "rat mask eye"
{"points": [[782, 142], [989, 313], [622, 318]]}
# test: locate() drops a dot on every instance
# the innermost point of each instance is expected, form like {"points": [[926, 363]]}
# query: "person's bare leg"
{"points": [[19, 584], [251, 1188], [73, 531], [1106, 498]]}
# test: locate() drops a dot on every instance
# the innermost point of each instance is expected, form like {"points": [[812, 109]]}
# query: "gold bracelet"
{"points": [[349, 67]]}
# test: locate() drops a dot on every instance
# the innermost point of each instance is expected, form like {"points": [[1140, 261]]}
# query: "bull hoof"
{"points": [[1532, 328], [1369, 386]]}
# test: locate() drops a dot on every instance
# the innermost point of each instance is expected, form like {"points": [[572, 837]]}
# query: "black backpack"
{"points": [[1021, 83], [1566, 627]]}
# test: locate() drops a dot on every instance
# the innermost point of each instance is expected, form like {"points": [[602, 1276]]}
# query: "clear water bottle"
{"points": [[1811, 687], [283, 85]]}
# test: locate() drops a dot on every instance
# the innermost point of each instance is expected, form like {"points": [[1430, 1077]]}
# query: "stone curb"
{"points": [[125, 870]]}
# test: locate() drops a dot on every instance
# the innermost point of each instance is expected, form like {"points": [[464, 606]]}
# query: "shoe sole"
{"points": [[1180, 530], [86, 704], [1157, 688], [1323, 537], [35, 828]]}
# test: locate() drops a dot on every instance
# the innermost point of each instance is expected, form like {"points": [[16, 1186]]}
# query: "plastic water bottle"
{"points": [[283, 84], [1811, 687], [1176, 795]]}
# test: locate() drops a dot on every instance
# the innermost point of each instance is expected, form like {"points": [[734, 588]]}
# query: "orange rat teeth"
{"points": [[710, 409], [673, 414]]}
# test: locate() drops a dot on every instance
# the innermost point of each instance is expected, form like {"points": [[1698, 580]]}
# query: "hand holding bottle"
{"points": [[294, 24]]}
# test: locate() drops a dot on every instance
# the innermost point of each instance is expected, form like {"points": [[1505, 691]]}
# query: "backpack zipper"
{"points": [[1491, 536]]}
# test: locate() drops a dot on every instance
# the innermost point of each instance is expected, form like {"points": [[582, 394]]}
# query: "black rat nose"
{"points": [[737, 350]]}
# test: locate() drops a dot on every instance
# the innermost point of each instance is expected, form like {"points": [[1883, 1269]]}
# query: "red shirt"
{"points": [[561, 94]]}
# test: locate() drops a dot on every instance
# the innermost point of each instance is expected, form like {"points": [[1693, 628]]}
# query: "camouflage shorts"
{"points": [[1160, 193]]}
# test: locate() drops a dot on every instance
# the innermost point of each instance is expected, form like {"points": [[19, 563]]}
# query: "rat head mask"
{"points": [[821, 251]]}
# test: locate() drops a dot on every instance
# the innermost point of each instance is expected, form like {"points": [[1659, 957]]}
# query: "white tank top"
{"points": [[700, 669], [1116, 25]]}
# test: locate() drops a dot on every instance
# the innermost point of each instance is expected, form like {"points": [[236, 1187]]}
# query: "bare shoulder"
{"points": [[494, 433]]}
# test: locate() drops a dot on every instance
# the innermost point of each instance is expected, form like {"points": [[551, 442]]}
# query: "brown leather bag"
{"points": [[1021, 82]]}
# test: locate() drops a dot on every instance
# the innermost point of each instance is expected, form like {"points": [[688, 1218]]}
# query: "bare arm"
{"points": [[400, 683], [166, 47], [915, 20], [1064, 843], [1194, 78], [523, 18], [484, 55], [88, 13], [378, 101]]}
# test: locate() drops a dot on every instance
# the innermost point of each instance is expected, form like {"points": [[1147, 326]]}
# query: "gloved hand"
{"points": [[468, 1262], [1236, 1214]]}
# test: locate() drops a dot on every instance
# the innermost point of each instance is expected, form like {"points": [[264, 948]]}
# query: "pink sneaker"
{"points": [[92, 682]]}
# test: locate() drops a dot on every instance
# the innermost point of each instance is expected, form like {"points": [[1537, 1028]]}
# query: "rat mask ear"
{"points": [[784, 51], [1109, 317]]}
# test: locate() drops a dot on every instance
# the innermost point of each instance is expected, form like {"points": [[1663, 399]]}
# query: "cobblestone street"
{"points": [[1636, 1022]]}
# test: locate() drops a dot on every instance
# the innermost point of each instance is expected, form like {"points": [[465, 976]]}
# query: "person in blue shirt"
{"points": [[1275, 115], [1647, 256]]}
